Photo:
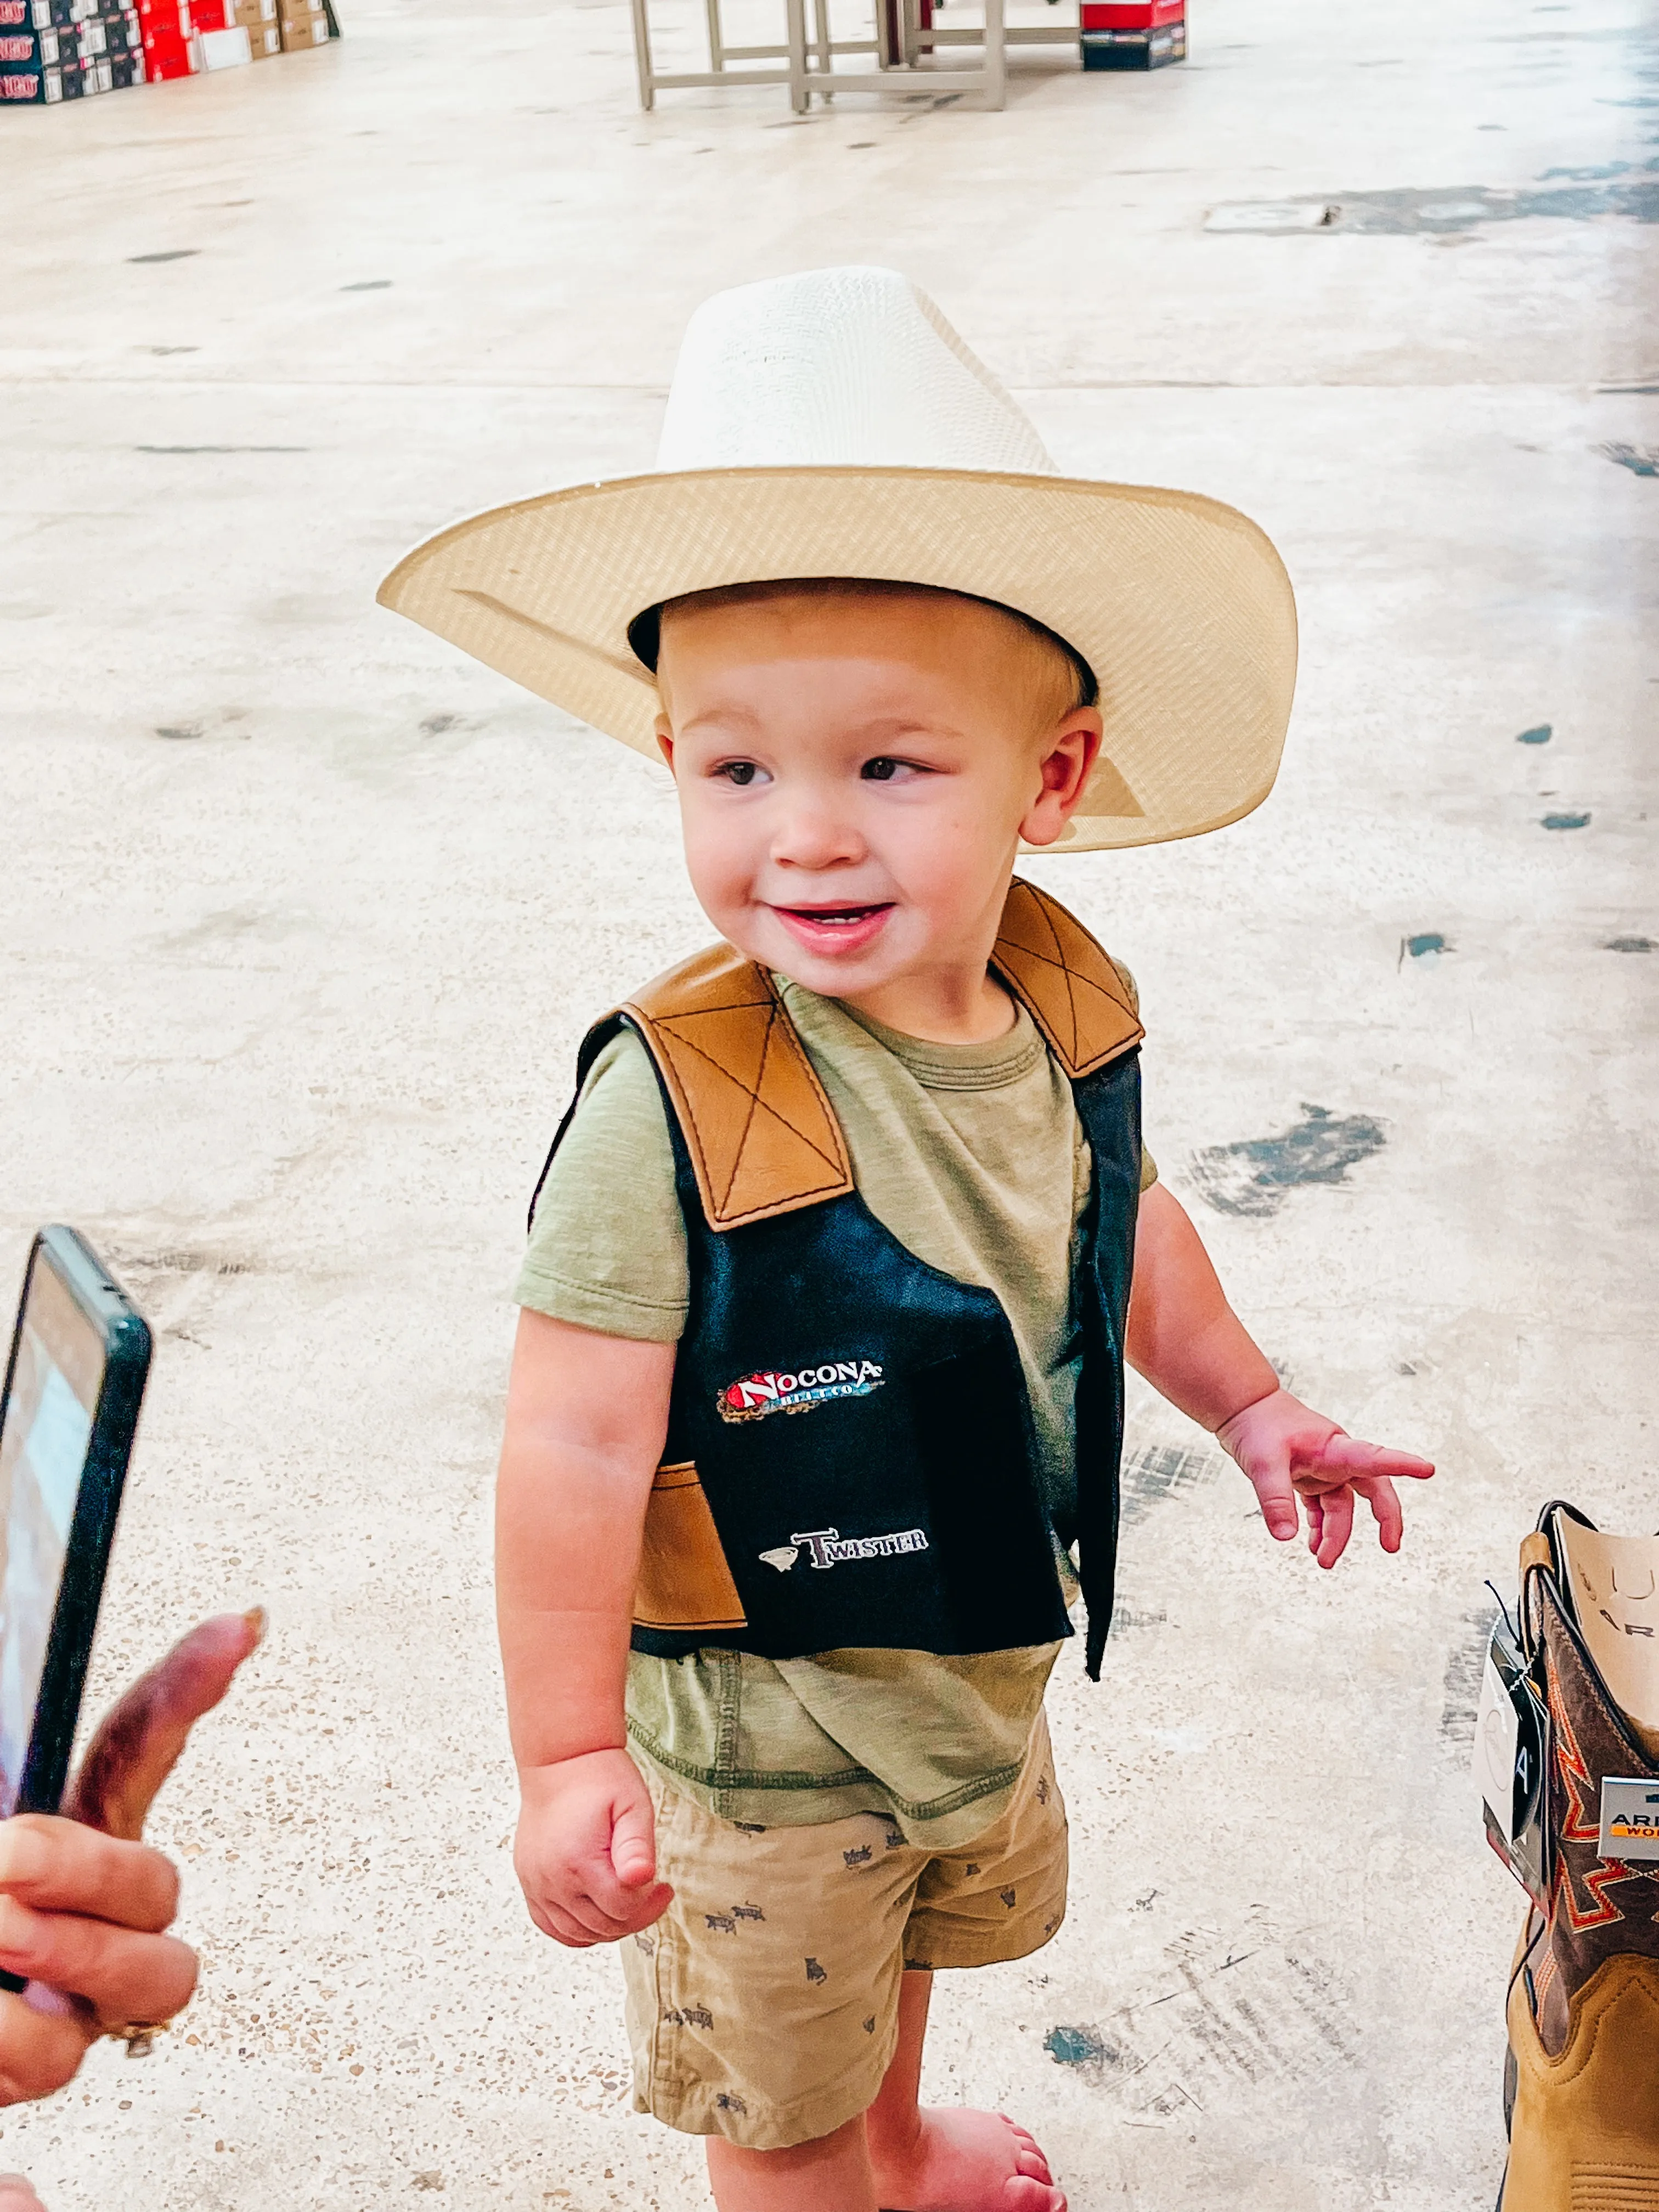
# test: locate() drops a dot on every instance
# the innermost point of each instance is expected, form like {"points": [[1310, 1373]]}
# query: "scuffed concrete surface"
{"points": [[302, 917]]}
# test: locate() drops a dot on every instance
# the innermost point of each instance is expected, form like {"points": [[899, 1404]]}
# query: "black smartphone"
{"points": [[75, 1380]]}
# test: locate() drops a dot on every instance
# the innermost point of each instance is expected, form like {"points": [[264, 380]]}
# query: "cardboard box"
{"points": [[223, 49], [1130, 15], [1135, 49], [301, 31], [265, 38]]}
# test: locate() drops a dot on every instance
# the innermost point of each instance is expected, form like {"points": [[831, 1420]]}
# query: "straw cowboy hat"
{"points": [[834, 424]]}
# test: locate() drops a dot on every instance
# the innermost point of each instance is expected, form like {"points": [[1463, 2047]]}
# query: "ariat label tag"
{"points": [[796, 1391], [1630, 1819]]}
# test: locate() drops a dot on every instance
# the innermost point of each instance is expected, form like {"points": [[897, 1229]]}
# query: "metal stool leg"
{"points": [[996, 66], [800, 94], [820, 20], [716, 41], [642, 56]]}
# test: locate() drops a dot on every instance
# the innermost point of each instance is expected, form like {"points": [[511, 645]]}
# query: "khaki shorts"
{"points": [[764, 2005]]}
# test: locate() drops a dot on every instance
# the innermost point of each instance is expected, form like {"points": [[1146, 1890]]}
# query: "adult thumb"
{"points": [[139, 1742], [632, 1845]]}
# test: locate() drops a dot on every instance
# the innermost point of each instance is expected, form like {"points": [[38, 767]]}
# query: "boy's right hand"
{"points": [[586, 1852]]}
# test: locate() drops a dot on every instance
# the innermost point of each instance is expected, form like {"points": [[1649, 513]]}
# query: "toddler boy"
{"points": [[840, 1250]]}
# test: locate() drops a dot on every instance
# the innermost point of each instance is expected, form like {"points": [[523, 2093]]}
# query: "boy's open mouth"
{"points": [[834, 928]]}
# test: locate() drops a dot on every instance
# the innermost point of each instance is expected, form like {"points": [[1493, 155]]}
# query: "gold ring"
{"points": [[138, 2035]]}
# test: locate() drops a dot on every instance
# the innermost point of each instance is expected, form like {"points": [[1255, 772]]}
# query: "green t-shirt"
{"points": [[973, 1156]]}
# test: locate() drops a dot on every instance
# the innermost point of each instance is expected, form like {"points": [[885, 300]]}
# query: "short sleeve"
{"points": [[608, 1249]]}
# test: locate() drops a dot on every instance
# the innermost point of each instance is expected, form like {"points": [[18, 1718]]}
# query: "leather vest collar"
{"points": [[763, 1136]]}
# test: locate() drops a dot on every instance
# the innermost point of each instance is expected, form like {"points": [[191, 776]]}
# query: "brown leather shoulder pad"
{"points": [[1066, 981], [763, 1135]]}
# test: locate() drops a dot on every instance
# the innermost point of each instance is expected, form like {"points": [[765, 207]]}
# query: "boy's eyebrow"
{"points": [[886, 729], [720, 718]]}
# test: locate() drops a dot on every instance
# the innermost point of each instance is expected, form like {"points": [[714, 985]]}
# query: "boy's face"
{"points": [[855, 771]]}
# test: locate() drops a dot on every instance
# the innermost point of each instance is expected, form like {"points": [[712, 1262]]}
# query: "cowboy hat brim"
{"points": [[1180, 606]]}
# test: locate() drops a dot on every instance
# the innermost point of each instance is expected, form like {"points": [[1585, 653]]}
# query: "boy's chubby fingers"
{"points": [[1352, 1455], [1276, 1497], [634, 1842], [576, 1920], [1329, 1538], [58, 1866], [554, 1922], [17, 2195], [1380, 1494]]}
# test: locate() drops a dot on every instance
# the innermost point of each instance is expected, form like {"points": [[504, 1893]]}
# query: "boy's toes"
{"points": [[1029, 2151], [1026, 2194]]}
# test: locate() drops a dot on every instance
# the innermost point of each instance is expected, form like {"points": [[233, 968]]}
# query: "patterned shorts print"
{"points": [[764, 2005]]}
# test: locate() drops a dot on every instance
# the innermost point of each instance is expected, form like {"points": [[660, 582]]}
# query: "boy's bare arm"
{"points": [[1189, 1344], [587, 1415]]}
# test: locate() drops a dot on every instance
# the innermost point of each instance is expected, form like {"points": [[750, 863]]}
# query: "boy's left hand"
{"points": [[1289, 1451]]}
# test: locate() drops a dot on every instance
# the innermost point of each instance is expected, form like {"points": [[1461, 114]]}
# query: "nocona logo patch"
{"points": [[769, 1391]]}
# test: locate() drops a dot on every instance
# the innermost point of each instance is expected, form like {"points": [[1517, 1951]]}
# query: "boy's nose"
{"points": [[814, 835]]}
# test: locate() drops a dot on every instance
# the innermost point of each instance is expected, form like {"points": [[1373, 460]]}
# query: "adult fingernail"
{"points": [[39, 1997], [259, 1621]]}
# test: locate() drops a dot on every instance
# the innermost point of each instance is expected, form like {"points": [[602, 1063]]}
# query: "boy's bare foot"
{"points": [[964, 2161]]}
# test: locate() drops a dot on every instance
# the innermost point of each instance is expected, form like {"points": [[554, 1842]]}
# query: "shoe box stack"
{"points": [[1132, 34], [52, 50]]}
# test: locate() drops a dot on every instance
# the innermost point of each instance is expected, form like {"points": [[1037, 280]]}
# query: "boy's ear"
{"points": [[665, 738], [1069, 755]]}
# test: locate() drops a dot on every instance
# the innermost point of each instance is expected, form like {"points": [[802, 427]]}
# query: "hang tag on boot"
{"points": [[1511, 1741], [1630, 1819]]}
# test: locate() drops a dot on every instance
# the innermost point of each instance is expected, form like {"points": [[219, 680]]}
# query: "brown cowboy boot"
{"points": [[1582, 2083]]}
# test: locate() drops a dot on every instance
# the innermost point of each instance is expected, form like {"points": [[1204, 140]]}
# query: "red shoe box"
{"points": [[1130, 15], [167, 27], [165, 58]]}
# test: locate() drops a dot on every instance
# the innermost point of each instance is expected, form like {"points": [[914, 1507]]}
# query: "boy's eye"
{"points": [[737, 772], [881, 770]]}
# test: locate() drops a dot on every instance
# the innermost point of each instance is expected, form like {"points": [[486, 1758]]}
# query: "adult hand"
{"points": [[17, 2195], [1288, 1451], [82, 1913], [586, 1852]]}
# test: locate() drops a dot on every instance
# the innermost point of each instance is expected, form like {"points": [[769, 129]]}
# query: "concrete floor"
{"points": [[302, 916]]}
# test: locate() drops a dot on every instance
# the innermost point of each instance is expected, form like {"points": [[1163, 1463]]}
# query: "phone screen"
{"points": [[46, 1425]]}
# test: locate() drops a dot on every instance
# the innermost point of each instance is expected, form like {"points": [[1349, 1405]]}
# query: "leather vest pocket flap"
{"points": [[685, 1582]]}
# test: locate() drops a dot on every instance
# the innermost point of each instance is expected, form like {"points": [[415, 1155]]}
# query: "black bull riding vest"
{"points": [[851, 1458]]}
